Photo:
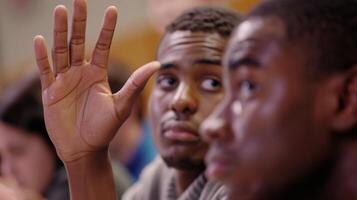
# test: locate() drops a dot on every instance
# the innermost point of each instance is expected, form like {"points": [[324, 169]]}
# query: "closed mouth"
{"points": [[219, 165], [180, 131]]}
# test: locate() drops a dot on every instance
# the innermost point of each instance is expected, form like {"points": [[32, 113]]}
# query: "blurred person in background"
{"points": [[27, 155], [10, 190]]}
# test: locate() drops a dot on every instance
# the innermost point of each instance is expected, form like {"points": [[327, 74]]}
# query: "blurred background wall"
{"points": [[134, 44], [21, 20]]}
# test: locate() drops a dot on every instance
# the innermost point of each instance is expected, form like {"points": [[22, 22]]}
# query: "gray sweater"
{"points": [[157, 183]]}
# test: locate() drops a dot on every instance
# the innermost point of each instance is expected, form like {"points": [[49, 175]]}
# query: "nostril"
{"points": [[183, 107], [188, 110], [184, 100]]}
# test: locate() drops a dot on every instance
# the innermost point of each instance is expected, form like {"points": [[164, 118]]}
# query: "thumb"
{"points": [[135, 84]]}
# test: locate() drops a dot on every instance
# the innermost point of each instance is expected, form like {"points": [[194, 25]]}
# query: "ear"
{"points": [[346, 116]]}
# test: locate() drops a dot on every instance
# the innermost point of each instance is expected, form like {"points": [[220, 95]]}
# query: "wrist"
{"points": [[91, 177], [88, 159]]}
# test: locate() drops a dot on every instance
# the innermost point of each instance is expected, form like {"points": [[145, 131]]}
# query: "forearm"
{"points": [[91, 177]]}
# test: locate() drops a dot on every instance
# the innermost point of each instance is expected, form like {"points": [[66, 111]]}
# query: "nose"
{"points": [[184, 101], [216, 126]]}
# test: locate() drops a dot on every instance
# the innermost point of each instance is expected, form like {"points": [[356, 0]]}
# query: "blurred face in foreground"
{"points": [[26, 158], [272, 126]]}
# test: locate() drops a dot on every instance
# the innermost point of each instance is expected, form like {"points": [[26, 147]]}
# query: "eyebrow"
{"points": [[203, 61], [247, 61], [167, 65], [208, 61]]}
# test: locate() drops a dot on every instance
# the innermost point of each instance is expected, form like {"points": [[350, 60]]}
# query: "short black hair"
{"points": [[21, 106], [327, 29], [206, 19]]}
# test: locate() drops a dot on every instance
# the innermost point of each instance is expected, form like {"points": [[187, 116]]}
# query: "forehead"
{"points": [[262, 28], [259, 31], [258, 36], [187, 46], [262, 44], [13, 134]]}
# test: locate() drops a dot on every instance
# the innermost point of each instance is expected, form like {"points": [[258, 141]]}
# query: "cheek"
{"points": [[38, 166], [208, 103], [277, 142], [158, 106]]}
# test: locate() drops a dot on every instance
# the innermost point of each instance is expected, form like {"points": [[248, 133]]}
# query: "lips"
{"points": [[180, 131], [220, 165]]}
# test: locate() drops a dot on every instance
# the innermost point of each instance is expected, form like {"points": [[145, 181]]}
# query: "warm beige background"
{"points": [[21, 20], [18, 25]]}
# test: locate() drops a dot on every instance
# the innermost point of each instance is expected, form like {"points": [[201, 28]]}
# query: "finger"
{"points": [[46, 74], [77, 47], [101, 50], [60, 46], [136, 82]]}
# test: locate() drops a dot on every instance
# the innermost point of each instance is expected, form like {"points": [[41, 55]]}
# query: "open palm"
{"points": [[81, 113]]}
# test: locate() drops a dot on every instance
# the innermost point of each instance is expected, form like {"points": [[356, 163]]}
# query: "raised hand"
{"points": [[81, 113]]}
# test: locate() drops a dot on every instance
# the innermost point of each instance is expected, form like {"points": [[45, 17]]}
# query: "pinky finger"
{"points": [[46, 73]]}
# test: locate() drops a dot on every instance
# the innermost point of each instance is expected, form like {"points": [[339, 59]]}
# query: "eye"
{"points": [[211, 84], [166, 82], [247, 89]]}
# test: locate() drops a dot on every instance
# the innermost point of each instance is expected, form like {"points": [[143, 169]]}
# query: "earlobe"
{"points": [[346, 118]]}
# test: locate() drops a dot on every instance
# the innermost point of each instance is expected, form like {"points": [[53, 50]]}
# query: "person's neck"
{"points": [[342, 181], [184, 178], [334, 180], [307, 188]]}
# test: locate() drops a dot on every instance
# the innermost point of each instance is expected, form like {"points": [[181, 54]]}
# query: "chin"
{"points": [[184, 163]]}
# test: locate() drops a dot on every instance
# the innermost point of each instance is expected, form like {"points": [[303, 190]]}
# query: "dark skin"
{"points": [[81, 113], [187, 88], [280, 134]]}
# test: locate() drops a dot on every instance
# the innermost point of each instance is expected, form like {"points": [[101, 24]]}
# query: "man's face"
{"points": [[187, 88], [26, 158], [271, 126]]}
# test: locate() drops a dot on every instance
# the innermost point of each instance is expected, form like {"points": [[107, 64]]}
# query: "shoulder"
{"points": [[214, 191], [151, 182], [155, 170]]}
